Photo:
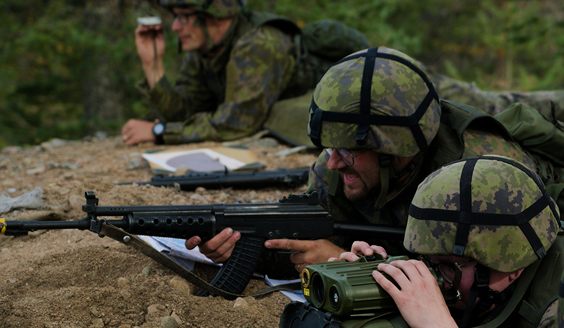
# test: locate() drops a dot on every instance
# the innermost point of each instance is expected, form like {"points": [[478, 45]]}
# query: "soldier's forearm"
{"points": [[153, 73]]}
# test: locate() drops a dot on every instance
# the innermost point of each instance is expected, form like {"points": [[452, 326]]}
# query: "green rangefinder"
{"points": [[348, 288]]}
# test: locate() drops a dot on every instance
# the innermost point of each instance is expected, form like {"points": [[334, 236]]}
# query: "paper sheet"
{"points": [[176, 250], [201, 160]]}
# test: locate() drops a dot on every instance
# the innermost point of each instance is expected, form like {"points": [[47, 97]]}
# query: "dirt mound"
{"points": [[73, 278]]}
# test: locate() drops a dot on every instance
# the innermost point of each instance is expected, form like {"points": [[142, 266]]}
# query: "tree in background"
{"points": [[69, 67]]}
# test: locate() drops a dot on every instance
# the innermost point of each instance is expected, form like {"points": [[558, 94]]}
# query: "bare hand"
{"points": [[137, 131], [219, 248], [418, 298], [306, 251], [146, 38], [150, 44], [360, 248]]}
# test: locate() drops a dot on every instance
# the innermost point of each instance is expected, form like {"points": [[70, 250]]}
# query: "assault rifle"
{"points": [[294, 217], [240, 180]]}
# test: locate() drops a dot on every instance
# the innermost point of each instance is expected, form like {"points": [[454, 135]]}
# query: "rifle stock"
{"points": [[293, 217]]}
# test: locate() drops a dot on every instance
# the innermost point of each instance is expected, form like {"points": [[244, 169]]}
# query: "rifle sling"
{"points": [[138, 244]]}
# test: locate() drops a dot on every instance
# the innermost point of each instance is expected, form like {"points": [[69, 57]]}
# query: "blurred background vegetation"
{"points": [[69, 67]]}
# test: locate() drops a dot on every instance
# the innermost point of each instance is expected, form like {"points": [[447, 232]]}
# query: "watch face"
{"points": [[158, 129]]}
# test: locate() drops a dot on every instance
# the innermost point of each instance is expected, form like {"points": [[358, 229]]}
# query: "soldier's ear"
{"points": [[514, 275]]}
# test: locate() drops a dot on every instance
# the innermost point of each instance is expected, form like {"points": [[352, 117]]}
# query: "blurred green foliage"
{"points": [[54, 51]]}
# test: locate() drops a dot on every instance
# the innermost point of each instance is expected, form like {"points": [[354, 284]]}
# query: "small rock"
{"points": [[94, 311], [177, 318], [199, 197], [168, 322], [37, 170], [240, 302], [181, 285], [123, 282], [53, 143], [136, 163], [76, 202], [157, 308], [125, 294], [101, 135], [97, 323], [146, 271]]}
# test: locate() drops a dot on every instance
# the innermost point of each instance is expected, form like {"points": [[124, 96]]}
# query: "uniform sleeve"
{"points": [[188, 96], [550, 317], [493, 102], [259, 69]]}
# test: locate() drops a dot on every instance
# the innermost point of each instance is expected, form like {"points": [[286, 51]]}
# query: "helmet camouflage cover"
{"points": [[215, 8], [489, 208], [378, 99]]}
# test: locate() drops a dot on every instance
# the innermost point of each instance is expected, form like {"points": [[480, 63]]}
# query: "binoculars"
{"points": [[348, 288]]}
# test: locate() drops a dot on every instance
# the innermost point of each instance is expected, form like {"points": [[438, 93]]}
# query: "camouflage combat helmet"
{"points": [[215, 8], [378, 99], [489, 208]]}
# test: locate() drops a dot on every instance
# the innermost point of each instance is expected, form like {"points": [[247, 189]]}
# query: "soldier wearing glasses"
{"points": [[236, 67], [384, 129]]}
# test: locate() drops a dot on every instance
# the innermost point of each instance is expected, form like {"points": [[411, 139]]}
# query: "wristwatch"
{"points": [[158, 131]]}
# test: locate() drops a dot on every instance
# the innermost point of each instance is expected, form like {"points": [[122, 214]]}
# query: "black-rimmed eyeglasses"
{"points": [[183, 18], [346, 156]]}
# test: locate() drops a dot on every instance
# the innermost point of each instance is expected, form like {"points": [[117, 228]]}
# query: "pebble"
{"points": [[157, 308], [199, 198], [181, 285], [125, 294], [177, 318], [97, 323], [168, 322], [76, 201], [146, 271], [240, 302], [123, 282], [37, 170], [53, 143]]}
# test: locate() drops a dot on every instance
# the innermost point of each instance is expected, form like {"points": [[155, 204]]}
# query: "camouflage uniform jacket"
{"points": [[493, 102], [228, 96], [540, 305], [479, 137]]}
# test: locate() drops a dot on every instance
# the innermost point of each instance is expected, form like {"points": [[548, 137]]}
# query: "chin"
{"points": [[355, 195]]}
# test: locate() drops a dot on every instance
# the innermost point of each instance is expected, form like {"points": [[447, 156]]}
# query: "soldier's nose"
{"points": [[335, 162]]}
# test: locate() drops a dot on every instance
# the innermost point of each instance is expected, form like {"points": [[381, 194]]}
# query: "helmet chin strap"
{"points": [[210, 46], [386, 174], [388, 179], [488, 297]]}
